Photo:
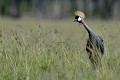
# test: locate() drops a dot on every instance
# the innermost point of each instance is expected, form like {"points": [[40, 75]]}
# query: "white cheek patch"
{"points": [[79, 19]]}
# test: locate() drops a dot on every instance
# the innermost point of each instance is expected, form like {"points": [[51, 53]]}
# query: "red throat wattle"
{"points": [[81, 24]]}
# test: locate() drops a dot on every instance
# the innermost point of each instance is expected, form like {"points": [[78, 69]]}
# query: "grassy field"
{"points": [[32, 49]]}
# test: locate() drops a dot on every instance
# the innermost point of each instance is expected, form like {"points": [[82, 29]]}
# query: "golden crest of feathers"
{"points": [[80, 13]]}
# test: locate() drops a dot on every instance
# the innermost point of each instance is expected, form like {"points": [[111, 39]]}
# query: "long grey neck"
{"points": [[90, 31]]}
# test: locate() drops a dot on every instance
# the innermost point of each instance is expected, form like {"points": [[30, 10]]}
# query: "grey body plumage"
{"points": [[94, 48]]}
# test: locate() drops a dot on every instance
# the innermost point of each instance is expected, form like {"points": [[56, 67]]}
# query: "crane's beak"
{"points": [[75, 20]]}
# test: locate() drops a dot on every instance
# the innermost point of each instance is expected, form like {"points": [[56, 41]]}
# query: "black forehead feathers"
{"points": [[76, 17]]}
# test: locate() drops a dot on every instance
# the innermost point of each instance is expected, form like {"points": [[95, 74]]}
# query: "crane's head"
{"points": [[79, 16]]}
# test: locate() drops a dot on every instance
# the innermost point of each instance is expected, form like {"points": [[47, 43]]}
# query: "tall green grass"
{"points": [[55, 50]]}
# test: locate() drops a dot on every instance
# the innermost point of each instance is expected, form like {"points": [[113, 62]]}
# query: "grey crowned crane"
{"points": [[95, 46]]}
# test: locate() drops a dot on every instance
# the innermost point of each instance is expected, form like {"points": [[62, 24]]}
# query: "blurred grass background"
{"points": [[39, 41], [33, 49]]}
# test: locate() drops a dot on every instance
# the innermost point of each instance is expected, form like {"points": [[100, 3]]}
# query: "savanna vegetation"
{"points": [[32, 49]]}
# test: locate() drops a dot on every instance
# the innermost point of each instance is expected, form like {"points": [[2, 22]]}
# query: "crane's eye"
{"points": [[79, 19]]}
